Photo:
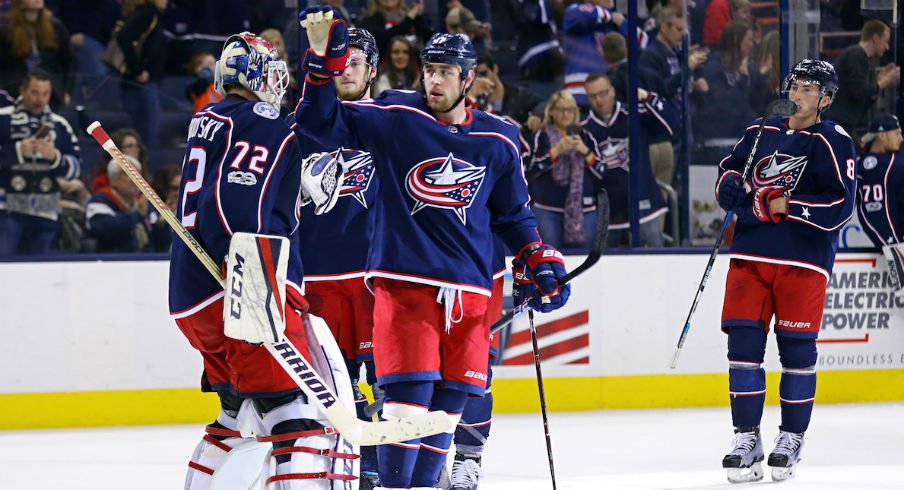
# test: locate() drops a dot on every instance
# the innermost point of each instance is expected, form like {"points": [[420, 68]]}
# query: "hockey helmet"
{"points": [[364, 40], [817, 71], [450, 49], [253, 63]]}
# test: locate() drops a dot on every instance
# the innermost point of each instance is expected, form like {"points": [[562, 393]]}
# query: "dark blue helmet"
{"points": [[450, 49], [364, 40], [821, 72]]}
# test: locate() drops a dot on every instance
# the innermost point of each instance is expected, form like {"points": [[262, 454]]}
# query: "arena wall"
{"points": [[91, 344]]}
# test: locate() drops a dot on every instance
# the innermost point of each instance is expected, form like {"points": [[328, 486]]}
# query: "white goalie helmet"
{"points": [[253, 63]]}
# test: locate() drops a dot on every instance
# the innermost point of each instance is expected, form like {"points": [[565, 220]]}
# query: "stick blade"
{"points": [[363, 433]]}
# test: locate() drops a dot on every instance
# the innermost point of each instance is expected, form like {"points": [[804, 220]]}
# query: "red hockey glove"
{"points": [[328, 38], [761, 199], [295, 301], [546, 267], [730, 191]]}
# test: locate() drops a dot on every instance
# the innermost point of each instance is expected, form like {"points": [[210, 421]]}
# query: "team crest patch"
{"points": [[614, 153], [357, 173], [264, 109], [779, 170], [870, 162], [444, 183]]}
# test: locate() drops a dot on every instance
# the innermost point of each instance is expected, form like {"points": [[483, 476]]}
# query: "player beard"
{"points": [[347, 89], [440, 102]]}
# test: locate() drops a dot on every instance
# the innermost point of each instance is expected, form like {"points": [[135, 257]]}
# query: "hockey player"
{"points": [[334, 274], [799, 192], [446, 175], [880, 176], [607, 128], [241, 173]]}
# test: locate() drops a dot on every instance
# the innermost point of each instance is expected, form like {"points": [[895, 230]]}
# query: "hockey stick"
{"points": [[298, 368], [783, 107], [600, 234], [533, 339]]}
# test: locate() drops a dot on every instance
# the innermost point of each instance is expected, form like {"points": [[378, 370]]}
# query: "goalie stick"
{"points": [[783, 107], [346, 422], [600, 234]]}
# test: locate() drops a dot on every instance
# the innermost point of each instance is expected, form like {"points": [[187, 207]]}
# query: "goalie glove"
{"points": [[255, 286], [546, 267], [321, 180], [328, 38]]}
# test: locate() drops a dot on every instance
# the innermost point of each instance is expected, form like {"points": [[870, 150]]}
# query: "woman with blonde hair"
{"points": [[562, 188], [31, 37]]}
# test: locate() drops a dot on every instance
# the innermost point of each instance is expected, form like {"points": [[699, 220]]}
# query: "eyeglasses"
{"points": [[565, 109]]}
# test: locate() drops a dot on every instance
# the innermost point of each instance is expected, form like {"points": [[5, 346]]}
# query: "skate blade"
{"points": [[782, 474], [744, 475]]}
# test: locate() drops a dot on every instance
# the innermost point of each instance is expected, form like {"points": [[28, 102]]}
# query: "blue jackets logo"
{"points": [[779, 170], [445, 183], [358, 171]]}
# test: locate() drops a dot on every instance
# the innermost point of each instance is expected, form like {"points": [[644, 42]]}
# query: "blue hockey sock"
{"points": [[432, 456], [746, 376], [797, 388], [474, 428], [396, 461]]}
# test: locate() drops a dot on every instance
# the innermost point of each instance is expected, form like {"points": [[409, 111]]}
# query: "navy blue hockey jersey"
{"points": [[242, 172], [610, 143], [880, 177], [444, 189], [816, 166]]}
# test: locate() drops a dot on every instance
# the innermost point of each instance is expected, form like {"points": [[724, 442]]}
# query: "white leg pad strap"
{"points": [[211, 455]]}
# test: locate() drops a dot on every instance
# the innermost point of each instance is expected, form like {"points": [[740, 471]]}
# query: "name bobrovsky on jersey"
{"points": [[204, 127]]}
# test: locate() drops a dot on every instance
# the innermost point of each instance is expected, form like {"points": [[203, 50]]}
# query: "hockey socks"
{"points": [[746, 376], [396, 461], [797, 388], [474, 428], [432, 456]]}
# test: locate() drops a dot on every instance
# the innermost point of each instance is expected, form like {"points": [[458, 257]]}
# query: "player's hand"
{"points": [[328, 38], [546, 268], [765, 207], [534, 122], [731, 192], [295, 301], [522, 288], [578, 144]]}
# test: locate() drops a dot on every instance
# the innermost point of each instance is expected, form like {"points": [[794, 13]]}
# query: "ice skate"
{"points": [[466, 472], [744, 461], [786, 455]]}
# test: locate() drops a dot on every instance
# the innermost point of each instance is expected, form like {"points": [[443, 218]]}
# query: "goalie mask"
{"points": [[253, 63]]}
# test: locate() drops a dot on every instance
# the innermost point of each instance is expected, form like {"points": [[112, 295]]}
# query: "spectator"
{"points": [[275, 38], [607, 126], [142, 42], [90, 23], [115, 215], [166, 184], [31, 37], [562, 189], [401, 70], [36, 148], [460, 20], [661, 56], [721, 12], [859, 81], [584, 25], [539, 54], [487, 92], [732, 78], [200, 91], [767, 56], [129, 141], [386, 19], [615, 51]]}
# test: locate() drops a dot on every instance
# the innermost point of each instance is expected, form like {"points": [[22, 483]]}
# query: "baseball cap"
{"points": [[881, 122], [461, 16]]}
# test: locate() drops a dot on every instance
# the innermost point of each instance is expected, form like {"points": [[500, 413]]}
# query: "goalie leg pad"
{"points": [[746, 376], [254, 309], [894, 257], [305, 455], [212, 453]]}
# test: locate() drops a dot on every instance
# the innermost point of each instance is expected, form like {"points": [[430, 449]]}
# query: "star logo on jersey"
{"points": [[806, 213], [779, 170], [614, 153], [357, 173], [444, 183]]}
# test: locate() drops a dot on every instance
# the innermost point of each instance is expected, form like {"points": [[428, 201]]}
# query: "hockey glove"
{"points": [[295, 301], [328, 38], [546, 267], [761, 200], [522, 288], [321, 181], [731, 191]]}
